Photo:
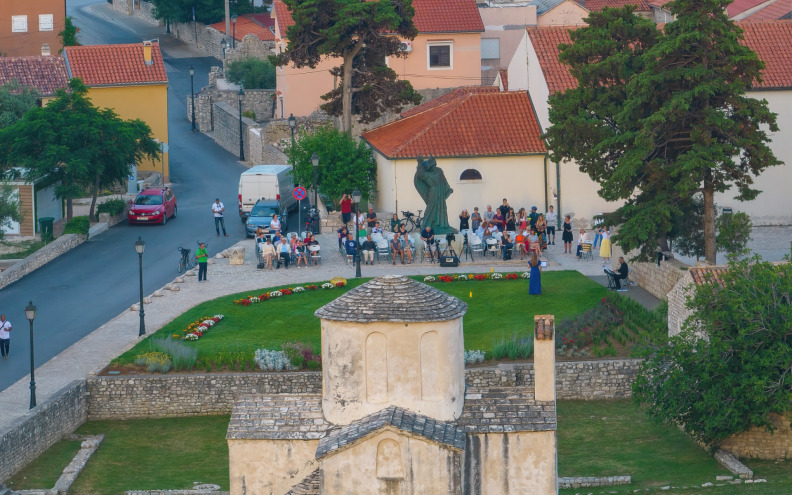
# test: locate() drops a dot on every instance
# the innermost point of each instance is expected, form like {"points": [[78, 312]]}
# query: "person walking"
{"points": [[217, 209], [203, 260], [5, 336]]}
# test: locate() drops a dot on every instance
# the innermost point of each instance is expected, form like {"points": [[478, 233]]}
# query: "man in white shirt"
{"points": [[5, 336], [217, 209], [551, 218]]}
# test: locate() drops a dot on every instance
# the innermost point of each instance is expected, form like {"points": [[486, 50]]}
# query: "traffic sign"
{"points": [[300, 193]]}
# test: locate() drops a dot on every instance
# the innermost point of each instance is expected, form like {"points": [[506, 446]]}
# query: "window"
{"points": [[45, 22], [490, 48], [19, 24], [470, 174], [45, 49], [440, 55]]}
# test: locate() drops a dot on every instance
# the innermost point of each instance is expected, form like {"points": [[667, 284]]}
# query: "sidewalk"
{"points": [[92, 353]]}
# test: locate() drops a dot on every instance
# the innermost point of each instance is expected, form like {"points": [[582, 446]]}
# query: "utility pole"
{"points": [[228, 18]]}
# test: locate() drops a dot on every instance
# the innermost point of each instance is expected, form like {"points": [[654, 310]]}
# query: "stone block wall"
{"points": [[226, 128], [258, 101], [658, 280], [677, 304], [40, 258], [761, 444], [42, 427], [136, 8]]}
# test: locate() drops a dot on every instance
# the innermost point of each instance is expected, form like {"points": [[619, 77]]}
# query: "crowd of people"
{"points": [[276, 248]]}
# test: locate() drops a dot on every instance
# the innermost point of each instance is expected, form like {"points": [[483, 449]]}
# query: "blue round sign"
{"points": [[299, 193]]}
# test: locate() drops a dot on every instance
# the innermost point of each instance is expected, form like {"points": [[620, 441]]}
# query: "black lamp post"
{"points": [[292, 125], [233, 38], [30, 314], [140, 246], [241, 144], [192, 93], [356, 196], [315, 162]]}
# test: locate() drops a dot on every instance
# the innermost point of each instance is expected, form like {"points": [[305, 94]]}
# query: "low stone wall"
{"points": [[658, 280], [761, 444], [41, 427], [40, 258], [226, 128], [590, 481]]}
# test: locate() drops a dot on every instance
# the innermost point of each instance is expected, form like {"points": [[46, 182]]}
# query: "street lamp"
{"points": [[233, 38], [241, 146], [30, 314], [356, 199], [140, 246], [315, 162], [192, 93], [292, 125]]}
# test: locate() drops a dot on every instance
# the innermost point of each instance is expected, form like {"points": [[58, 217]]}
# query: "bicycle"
{"points": [[409, 223], [185, 263]]}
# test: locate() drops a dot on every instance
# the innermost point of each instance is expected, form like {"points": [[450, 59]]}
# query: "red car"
{"points": [[153, 205]]}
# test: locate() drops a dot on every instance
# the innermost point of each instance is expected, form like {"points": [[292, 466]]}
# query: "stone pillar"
{"points": [[544, 357], [236, 256]]}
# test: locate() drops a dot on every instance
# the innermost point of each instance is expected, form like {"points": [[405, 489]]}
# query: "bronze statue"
{"points": [[433, 187]]}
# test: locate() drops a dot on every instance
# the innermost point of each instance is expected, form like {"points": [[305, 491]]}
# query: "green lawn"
{"points": [[47, 468], [21, 249], [497, 309]]}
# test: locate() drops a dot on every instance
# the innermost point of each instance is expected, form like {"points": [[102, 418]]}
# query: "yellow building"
{"points": [[130, 79]]}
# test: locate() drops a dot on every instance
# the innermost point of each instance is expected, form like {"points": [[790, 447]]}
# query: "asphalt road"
{"points": [[81, 290]]}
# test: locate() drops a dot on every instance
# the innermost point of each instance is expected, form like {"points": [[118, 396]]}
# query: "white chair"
{"points": [[492, 246], [383, 250], [476, 245], [315, 255]]}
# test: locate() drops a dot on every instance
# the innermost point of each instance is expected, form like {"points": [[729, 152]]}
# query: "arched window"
{"points": [[389, 461], [470, 174]]}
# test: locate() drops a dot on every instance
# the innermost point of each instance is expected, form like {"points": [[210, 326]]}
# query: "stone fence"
{"points": [[760, 443], [658, 280], [257, 101], [226, 128], [40, 258]]}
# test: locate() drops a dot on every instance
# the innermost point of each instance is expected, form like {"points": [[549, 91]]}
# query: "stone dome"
{"points": [[393, 298]]}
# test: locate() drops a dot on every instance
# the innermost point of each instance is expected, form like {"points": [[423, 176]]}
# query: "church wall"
{"points": [[393, 464], [369, 366], [269, 466]]}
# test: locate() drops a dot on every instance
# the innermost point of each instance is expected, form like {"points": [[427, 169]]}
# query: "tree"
{"points": [[206, 11], [734, 231], [69, 34], [252, 73], [730, 381], [73, 141], [344, 164], [9, 207], [15, 101], [660, 116], [361, 34]]}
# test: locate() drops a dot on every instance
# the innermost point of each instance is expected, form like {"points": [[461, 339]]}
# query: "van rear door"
{"points": [[253, 187]]}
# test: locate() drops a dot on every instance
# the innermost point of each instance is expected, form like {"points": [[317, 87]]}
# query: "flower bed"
{"points": [[476, 276], [198, 328]]}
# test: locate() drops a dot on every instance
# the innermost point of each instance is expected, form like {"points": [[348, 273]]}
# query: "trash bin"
{"points": [[46, 226]]}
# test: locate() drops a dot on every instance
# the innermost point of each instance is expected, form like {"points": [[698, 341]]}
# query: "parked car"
{"points": [[153, 205], [261, 216]]}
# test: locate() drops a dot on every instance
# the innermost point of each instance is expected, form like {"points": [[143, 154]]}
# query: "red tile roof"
{"points": [[771, 40], [739, 6], [704, 274], [431, 16], [456, 94], [46, 74], [248, 24], [776, 10], [112, 65], [472, 123], [504, 75], [595, 5]]}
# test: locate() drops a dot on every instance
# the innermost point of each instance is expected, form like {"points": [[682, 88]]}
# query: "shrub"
{"points": [[473, 357], [515, 348], [182, 356], [249, 114], [734, 232], [300, 355], [77, 225], [268, 360], [154, 361], [112, 206], [253, 73]]}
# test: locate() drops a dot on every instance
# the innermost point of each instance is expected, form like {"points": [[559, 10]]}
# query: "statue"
{"points": [[433, 187]]}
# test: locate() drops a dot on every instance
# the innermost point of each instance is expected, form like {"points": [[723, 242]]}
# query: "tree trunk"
{"points": [[662, 242], [93, 201], [710, 249], [346, 94], [69, 211]]}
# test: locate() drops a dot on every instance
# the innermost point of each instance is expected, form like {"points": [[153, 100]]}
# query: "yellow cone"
{"points": [[471, 294]]}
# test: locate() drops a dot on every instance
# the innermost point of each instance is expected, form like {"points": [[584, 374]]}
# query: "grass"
{"points": [[47, 468], [612, 438], [497, 309], [22, 249]]}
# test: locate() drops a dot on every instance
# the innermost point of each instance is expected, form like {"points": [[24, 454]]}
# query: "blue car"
{"points": [[261, 216]]}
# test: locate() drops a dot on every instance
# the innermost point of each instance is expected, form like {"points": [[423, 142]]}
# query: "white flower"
{"points": [[327, 285], [497, 276], [525, 275], [429, 278], [202, 328], [190, 336], [276, 293], [254, 299], [299, 289], [208, 323], [462, 277]]}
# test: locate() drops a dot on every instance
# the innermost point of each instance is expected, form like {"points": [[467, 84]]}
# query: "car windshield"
{"points": [[263, 211], [146, 199]]}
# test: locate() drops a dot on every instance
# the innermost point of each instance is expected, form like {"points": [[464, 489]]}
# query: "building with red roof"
{"points": [[445, 54], [45, 74], [259, 25], [487, 142], [31, 27]]}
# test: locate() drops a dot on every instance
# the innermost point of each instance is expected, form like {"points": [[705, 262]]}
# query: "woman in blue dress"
{"points": [[535, 287]]}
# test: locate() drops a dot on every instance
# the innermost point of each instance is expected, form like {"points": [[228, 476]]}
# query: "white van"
{"points": [[271, 182]]}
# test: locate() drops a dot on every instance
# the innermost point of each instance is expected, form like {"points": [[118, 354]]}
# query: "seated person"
{"points": [[343, 233], [376, 229], [284, 253], [397, 248], [267, 252], [506, 244], [619, 275], [521, 241], [350, 246], [368, 247], [427, 236], [311, 240], [299, 251], [293, 242], [536, 244], [406, 246], [583, 238], [481, 229]]}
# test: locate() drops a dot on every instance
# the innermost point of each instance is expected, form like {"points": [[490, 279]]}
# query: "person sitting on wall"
{"points": [[396, 248], [376, 229], [427, 236], [350, 246]]}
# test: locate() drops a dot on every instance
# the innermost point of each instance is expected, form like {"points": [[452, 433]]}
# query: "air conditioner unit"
{"points": [[405, 46]]}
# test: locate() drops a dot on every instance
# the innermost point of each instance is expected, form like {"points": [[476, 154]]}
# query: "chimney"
{"points": [[544, 357], [147, 53]]}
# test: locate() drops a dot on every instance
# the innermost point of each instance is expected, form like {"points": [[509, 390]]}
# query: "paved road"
{"points": [[90, 285]]}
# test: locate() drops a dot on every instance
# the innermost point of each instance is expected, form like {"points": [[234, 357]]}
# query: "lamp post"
{"points": [[292, 125], [356, 199], [233, 37], [241, 144], [140, 246], [30, 314], [192, 93], [315, 162]]}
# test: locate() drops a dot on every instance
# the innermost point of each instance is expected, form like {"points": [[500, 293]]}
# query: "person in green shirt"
{"points": [[395, 223], [202, 256]]}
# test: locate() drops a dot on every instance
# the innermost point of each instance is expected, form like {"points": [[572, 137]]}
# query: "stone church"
{"points": [[395, 415]]}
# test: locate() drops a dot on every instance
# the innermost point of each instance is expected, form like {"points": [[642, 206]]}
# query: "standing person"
{"points": [[395, 223], [5, 336], [566, 237], [275, 224], [535, 285], [361, 223], [551, 218], [343, 232], [217, 209], [605, 249], [475, 219], [464, 220], [371, 218], [346, 208], [541, 230], [504, 208], [522, 220], [533, 217], [499, 221], [511, 222], [489, 214], [203, 260]]}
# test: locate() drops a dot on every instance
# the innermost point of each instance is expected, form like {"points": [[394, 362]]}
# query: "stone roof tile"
{"points": [[505, 410], [278, 417]]}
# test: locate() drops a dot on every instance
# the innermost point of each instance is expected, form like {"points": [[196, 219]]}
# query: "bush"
{"points": [[268, 360], [473, 357], [249, 114], [514, 348], [154, 361], [77, 225], [253, 73], [112, 206], [734, 231], [182, 356], [301, 355]]}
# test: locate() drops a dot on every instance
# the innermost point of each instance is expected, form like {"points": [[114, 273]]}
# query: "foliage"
{"points": [[730, 381], [206, 11], [474, 357], [181, 355], [79, 145], [252, 73], [734, 231], [112, 206], [77, 225], [302, 355], [22, 249], [269, 360], [362, 35], [154, 361], [69, 34], [9, 207], [660, 115], [249, 114], [15, 101], [688, 229], [344, 164], [517, 347]]}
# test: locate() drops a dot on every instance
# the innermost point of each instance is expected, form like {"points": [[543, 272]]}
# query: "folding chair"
{"points": [[493, 247], [383, 250], [315, 257], [586, 253], [476, 246]]}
